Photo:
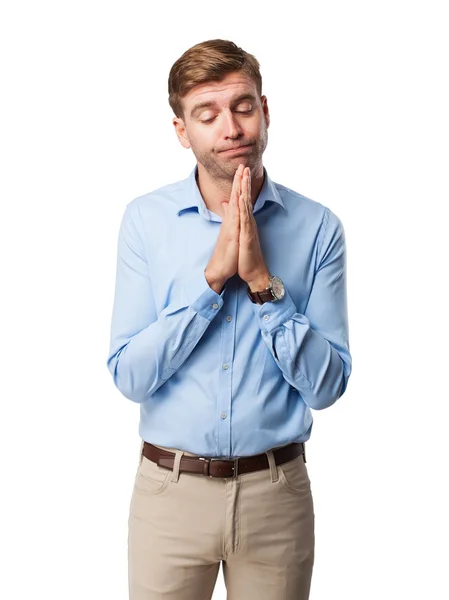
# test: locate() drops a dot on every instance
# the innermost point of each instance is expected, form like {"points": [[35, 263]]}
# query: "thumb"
{"points": [[225, 206]]}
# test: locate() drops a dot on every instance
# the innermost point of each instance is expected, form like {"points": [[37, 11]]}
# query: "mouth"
{"points": [[238, 150]]}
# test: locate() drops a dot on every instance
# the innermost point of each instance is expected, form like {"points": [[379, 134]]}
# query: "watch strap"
{"points": [[260, 297]]}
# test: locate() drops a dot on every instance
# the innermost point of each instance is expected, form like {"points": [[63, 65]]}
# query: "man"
{"points": [[229, 326]]}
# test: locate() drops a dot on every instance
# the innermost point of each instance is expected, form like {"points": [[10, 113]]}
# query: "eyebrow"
{"points": [[208, 104]]}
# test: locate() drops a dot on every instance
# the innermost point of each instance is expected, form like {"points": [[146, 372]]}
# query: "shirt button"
{"points": [[229, 318], [223, 415], [225, 366], [215, 305], [266, 317]]}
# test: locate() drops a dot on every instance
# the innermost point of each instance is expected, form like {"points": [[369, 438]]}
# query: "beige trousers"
{"points": [[260, 526]]}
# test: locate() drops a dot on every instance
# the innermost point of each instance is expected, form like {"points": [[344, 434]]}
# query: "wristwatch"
{"points": [[275, 291]]}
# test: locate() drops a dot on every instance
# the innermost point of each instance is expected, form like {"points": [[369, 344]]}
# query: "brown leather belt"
{"points": [[221, 467]]}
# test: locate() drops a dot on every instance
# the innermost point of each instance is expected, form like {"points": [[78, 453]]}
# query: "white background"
{"points": [[358, 96]]}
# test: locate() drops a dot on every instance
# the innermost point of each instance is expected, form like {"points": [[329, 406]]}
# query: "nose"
{"points": [[232, 128]]}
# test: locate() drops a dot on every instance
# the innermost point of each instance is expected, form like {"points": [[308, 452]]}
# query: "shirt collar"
{"points": [[194, 200]]}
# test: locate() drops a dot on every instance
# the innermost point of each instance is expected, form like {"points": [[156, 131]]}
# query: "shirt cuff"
{"points": [[271, 315], [202, 298]]}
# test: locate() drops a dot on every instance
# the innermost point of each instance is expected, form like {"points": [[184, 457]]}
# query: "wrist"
{"points": [[215, 283], [260, 282]]}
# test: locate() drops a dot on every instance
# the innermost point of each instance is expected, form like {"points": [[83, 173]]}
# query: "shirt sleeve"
{"points": [[312, 349], [146, 348]]}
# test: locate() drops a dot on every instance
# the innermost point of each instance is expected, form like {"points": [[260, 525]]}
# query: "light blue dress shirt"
{"points": [[216, 374]]}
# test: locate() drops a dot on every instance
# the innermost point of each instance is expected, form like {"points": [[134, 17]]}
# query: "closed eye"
{"points": [[241, 112]]}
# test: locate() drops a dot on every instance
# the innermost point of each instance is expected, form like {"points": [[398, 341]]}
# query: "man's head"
{"points": [[215, 91]]}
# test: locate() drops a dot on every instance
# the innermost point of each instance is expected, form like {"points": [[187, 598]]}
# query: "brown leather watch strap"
{"points": [[260, 297]]}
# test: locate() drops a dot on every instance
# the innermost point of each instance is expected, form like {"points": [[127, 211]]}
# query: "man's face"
{"points": [[222, 115]]}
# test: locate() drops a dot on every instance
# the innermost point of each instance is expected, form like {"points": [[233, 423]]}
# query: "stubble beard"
{"points": [[222, 168]]}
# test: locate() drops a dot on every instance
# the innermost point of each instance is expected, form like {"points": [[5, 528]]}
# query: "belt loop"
{"points": [[273, 466], [304, 451], [176, 463], [142, 442], [140, 456]]}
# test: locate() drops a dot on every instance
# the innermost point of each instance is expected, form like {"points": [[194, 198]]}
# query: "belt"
{"points": [[221, 467]]}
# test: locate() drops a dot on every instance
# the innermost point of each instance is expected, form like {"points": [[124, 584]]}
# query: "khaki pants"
{"points": [[260, 525]]}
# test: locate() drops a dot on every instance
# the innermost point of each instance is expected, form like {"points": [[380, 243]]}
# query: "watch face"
{"points": [[278, 287]]}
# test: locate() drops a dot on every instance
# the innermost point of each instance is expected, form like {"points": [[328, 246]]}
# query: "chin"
{"points": [[232, 165], [236, 160]]}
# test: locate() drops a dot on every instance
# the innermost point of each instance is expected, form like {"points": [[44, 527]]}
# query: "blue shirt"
{"points": [[215, 374]]}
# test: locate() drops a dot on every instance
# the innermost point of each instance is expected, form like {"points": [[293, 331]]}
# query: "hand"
{"points": [[224, 260], [251, 265]]}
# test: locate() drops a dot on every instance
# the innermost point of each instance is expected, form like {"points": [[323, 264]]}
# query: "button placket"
{"points": [[225, 368]]}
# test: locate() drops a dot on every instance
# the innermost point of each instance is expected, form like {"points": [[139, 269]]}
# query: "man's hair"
{"points": [[208, 61]]}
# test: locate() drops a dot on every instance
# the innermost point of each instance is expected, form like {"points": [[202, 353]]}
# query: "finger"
{"points": [[250, 200], [245, 189], [236, 187], [248, 196], [243, 210], [242, 214]]}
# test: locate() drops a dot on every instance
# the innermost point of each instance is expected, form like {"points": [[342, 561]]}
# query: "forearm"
{"points": [[312, 349], [308, 361], [151, 356], [148, 344]]}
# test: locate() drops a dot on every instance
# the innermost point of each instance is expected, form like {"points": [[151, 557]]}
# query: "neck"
{"points": [[215, 191]]}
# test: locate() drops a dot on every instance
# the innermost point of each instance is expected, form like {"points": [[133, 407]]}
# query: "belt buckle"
{"points": [[235, 467]]}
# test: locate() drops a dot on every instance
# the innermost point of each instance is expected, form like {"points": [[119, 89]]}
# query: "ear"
{"points": [[181, 132], [266, 112]]}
